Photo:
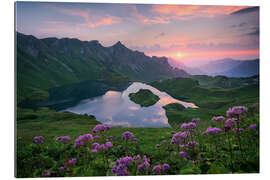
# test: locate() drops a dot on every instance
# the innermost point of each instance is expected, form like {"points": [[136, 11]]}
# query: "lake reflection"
{"points": [[116, 109]]}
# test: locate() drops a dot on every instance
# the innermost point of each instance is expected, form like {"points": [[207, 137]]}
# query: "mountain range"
{"points": [[224, 67], [51, 62]]}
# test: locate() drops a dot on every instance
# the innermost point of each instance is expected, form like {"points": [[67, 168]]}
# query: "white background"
{"points": [[7, 87]]}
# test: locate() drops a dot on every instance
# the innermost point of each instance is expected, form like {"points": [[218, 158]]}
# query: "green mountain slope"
{"points": [[211, 100], [46, 63]]}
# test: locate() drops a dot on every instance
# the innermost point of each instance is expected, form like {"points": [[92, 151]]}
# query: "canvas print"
{"points": [[106, 89]]}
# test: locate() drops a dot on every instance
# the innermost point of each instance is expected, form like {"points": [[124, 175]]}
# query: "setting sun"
{"points": [[179, 54]]}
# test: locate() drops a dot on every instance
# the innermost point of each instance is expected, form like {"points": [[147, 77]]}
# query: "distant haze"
{"points": [[187, 33]]}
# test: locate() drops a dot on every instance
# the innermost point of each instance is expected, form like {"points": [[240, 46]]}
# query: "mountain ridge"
{"points": [[51, 62], [223, 67]]}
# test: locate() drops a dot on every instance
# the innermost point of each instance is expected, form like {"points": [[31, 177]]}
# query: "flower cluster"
{"points": [[212, 130], [252, 126], [165, 167], [72, 162], [64, 139], [83, 139], [38, 140], [120, 166], [236, 111], [229, 123], [96, 146], [127, 136], [69, 163], [196, 120], [179, 138], [183, 154], [188, 125], [164, 141], [46, 173], [144, 163], [156, 169], [192, 143], [218, 118], [101, 128]]}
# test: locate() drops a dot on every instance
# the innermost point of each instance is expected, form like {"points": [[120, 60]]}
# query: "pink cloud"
{"points": [[91, 20], [186, 12], [137, 17]]}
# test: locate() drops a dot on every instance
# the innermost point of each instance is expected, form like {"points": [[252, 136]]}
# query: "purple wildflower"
{"points": [[156, 169], [173, 132], [72, 161], [97, 137], [252, 126], [179, 138], [227, 127], [126, 136], [137, 158], [95, 145], [236, 111], [135, 140], [38, 140], [46, 173], [188, 125], [213, 130], [108, 144], [103, 147], [183, 146], [183, 154], [120, 166], [140, 167], [218, 118], [145, 162], [100, 128], [164, 141], [62, 168], [165, 167], [110, 138], [195, 120], [192, 143], [157, 145], [64, 139], [94, 150], [231, 121], [83, 139], [255, 105]]}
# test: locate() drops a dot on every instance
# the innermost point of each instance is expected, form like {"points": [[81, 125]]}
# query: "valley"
{"points": [[68, 87]]}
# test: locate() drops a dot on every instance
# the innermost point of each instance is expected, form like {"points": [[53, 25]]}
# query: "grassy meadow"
{"points": [[201, 152]]}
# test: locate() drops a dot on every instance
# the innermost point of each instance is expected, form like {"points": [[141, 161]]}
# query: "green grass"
{"points": [[144, 97], [33, 159], [51, 124], [212, 101]]}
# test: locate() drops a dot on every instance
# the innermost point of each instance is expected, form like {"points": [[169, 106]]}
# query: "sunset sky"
{"points": [[187, 33]]}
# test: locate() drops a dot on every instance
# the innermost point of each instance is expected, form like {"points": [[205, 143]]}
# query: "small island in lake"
{"points": [[144, 97]]}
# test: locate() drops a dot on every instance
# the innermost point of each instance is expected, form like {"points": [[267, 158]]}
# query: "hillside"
{"points": [[245, 69], [225, 82], [232, 68], [211, 99], [180, 65], [46, 63]]}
